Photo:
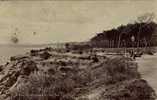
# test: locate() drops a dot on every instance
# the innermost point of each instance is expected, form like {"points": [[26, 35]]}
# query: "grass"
{"points": [[67, 83], [41, 86]]}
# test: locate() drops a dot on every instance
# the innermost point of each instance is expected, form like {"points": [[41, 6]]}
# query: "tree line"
{"points": [[142, 33]]}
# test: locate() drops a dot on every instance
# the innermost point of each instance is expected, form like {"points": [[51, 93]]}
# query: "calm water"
{"points": [[7, 51]]}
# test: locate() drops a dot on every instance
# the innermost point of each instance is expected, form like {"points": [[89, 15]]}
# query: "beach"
{"points": [[148, 69]]}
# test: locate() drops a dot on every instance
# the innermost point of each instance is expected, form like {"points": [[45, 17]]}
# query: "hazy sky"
{"points": [[54, 21]]}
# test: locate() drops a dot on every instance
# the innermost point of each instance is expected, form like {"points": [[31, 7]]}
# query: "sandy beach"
{"points": [[148, 69]]}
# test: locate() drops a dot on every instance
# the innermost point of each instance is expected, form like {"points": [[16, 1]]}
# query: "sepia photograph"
{"points": [[78, 49]]}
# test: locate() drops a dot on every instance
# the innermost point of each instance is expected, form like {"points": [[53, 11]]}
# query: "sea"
{"points": [[7, 51]]}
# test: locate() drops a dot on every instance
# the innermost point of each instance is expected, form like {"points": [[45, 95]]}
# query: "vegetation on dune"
{"points": [[74, 79], [129, 90]]}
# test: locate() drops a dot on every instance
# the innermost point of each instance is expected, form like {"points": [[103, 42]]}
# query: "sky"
{"points": [[45, 22]]}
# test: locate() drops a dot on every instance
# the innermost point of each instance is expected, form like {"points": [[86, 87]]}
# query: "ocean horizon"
{"points": [[9, 50]]}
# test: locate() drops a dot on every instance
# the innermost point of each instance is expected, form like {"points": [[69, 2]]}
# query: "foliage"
{"points": [[122, 35]]}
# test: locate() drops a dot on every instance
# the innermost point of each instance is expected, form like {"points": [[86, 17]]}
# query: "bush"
{"points": [[45, 55], [120, 69], [95, 59], [1, 68], [41, 86], [33, 52], [130, 90], [149, 52]]}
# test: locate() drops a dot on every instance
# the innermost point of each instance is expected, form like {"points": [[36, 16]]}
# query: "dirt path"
{"points": [[148, 69]]}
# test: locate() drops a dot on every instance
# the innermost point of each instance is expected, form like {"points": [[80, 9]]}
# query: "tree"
{"points": [[146, 18], [143, 30]]}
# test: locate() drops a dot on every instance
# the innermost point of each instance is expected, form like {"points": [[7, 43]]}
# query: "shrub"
{"points": [[95, 59], [33, 52], [1, 68], [120, 69], [41, 86], [130, 90], [45, 55]]}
